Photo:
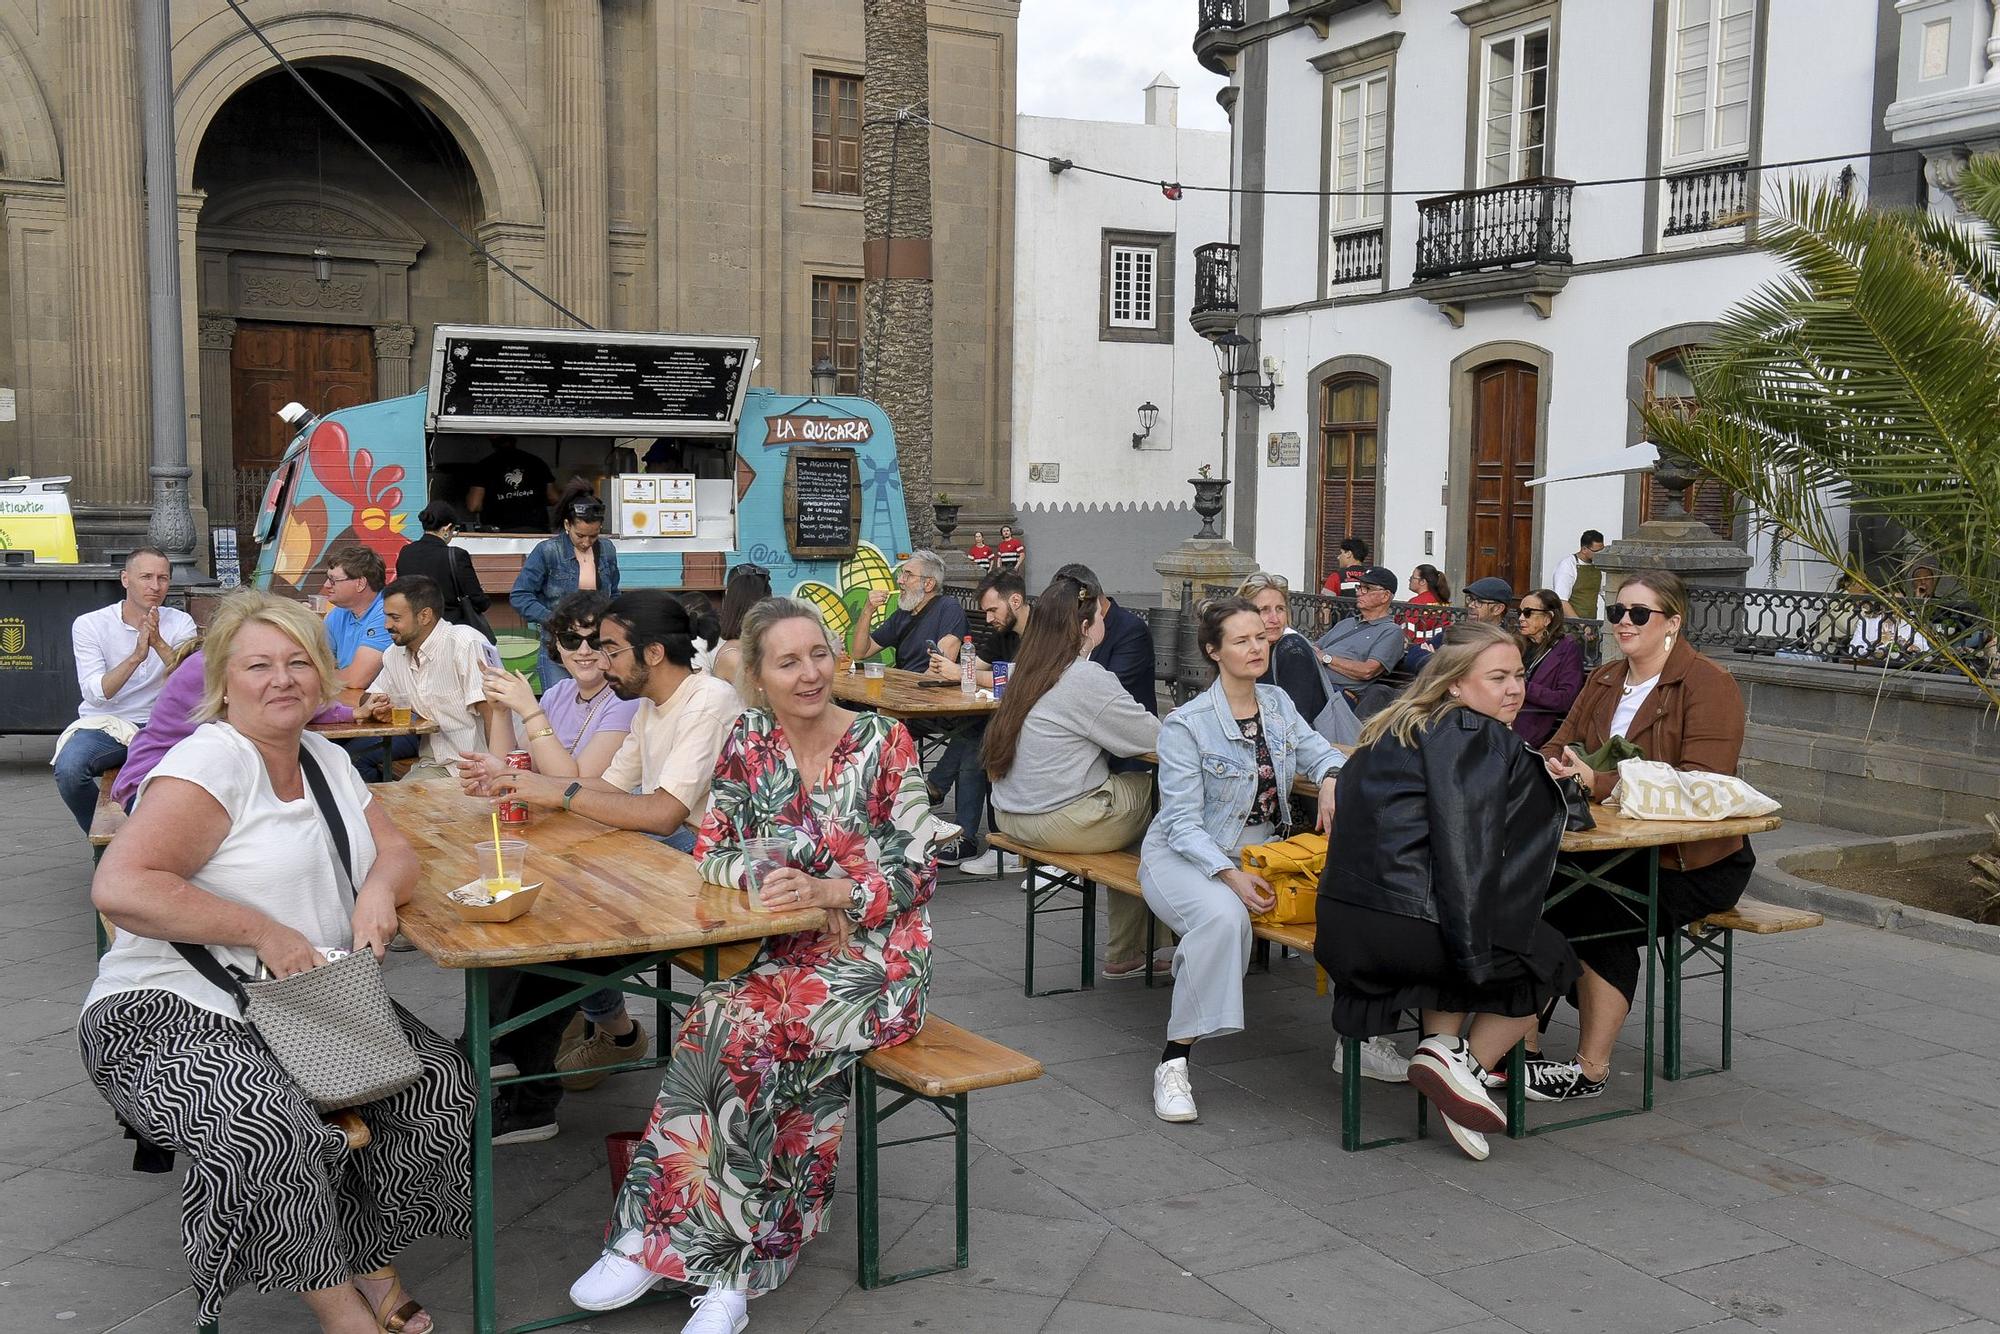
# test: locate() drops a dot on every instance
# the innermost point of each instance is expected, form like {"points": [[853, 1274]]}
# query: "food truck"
{"points": [[698, 471]]}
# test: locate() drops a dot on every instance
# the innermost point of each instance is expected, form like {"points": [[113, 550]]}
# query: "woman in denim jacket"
{"points": [[576, 558], [1227, 760]]}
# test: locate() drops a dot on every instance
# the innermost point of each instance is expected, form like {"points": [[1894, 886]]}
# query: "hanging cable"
{"points": [[1175, 188], [478, 251]]}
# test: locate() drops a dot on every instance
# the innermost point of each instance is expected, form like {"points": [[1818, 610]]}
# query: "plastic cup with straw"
{"points": [[508, 855]]}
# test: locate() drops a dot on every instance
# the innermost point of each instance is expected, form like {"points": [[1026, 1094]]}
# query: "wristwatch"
{"points": [[570, 792], [858, 899]]}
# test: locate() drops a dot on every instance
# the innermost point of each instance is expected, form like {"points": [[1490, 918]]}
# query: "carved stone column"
{"points": [[215, 337], [393, 343], [106, 212], [577, 188]]}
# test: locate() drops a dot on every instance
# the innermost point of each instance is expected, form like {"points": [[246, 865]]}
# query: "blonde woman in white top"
{"points": [[228, 848]]}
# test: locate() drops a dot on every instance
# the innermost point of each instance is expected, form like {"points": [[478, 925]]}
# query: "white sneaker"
{"points": [[1012, 865], [504, 1070], [613, 1282], [1173, 1095], [1466, 1138], [1380, 1059], [718, 1311], [986, 863], [1443, 1071]]}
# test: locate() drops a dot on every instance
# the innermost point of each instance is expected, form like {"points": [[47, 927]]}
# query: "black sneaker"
{"points": [[511, 1126], [1558, 1081], [952, 853]]}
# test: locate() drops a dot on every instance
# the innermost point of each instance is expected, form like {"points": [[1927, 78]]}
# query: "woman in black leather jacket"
{"points": [[1446, 829]]}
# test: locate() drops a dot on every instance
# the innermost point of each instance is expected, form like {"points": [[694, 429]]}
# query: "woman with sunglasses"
{"points": [[575, 560], [1555, 667], [1677, 707]]}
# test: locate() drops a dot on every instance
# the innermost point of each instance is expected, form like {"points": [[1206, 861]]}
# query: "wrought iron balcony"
{"points": [[1354, 257], [1215, 25], [1708, 199], [1214, 308], [1526, 222]]}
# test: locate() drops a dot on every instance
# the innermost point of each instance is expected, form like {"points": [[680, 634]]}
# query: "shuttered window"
{"points": [[1710, 49], [1669, 386], [1349, 448], [836, 167], [836, 330]]}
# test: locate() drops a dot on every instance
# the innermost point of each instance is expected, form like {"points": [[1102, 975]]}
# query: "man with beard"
{"points": [[431, 667], [656, 784]]}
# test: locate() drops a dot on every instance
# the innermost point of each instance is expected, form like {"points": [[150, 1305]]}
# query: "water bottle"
{"points": [[968, 682]]}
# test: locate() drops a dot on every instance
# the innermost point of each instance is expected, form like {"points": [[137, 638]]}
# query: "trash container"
{"points": [[38, 691]]}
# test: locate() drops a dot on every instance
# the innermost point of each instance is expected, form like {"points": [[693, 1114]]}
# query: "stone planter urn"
{"points": [[944, 514], [1208, 503]]}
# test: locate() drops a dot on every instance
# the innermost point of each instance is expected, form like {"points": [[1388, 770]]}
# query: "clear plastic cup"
{"points": [[501, 873], [873, 673], [400, 715], [761, 856]]}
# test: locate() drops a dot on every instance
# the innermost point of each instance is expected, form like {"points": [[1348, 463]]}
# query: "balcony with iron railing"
{"points": [[1353, 258], [1215, 28], [1214, 309], [1524, 222], [1718, 197]]}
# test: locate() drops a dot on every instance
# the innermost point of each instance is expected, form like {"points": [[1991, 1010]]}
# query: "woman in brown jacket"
{"points": [[1677, 707]]}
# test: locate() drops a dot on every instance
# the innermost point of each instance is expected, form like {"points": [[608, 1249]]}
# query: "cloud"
{"points": [[1092, 60]]}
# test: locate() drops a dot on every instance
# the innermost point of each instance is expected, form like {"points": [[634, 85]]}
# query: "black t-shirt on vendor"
{"points": [[517, 490], [913, 636]]}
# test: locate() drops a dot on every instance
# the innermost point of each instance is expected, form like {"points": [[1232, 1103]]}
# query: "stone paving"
{"points": [[1844, 1178]]}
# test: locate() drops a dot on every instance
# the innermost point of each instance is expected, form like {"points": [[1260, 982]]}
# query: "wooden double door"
{"points": [[1501, 515], [322, 366]]}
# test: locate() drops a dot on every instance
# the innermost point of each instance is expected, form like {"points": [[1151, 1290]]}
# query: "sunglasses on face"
{"points": [[1534, 611], [574, 640], [1618, 611]]}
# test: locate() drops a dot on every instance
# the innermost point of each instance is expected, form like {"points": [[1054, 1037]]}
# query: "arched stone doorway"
{"points": [[317, 278]]}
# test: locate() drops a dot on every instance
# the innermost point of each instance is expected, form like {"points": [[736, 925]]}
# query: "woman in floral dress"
{"points": [[736, 1171]]}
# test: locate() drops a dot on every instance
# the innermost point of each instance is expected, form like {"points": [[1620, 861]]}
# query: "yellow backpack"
{"points": [[1293, 868]]}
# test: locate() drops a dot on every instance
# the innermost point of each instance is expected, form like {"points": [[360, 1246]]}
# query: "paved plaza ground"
{"points": [[1844, 1178]]}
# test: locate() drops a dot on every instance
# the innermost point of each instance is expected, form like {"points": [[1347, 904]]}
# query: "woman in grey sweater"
{"points": [[1046, 752]]}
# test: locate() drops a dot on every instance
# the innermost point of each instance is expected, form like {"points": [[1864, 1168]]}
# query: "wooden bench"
{"points": [[1712, 940], [1052, 873], [939, 1066]]}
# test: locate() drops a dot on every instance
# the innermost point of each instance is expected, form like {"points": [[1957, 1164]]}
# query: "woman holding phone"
{"points": [[736, 1171]]}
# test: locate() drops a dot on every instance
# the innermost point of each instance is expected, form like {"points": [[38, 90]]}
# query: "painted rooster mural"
{"points": [[371, 496]]}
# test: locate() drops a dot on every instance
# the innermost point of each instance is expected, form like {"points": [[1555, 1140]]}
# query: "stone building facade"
{"points": [[648, 165]]}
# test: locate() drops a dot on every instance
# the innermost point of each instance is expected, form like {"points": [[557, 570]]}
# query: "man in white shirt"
{"points": [[122, 654], [432, 668], [1576, 580], [657, 784]]}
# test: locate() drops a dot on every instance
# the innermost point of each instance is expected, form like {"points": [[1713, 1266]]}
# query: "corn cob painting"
{"points": [[863, 572]]}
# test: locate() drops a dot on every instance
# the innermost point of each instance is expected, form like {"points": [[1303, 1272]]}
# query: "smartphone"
{"points": [[934, 683]]}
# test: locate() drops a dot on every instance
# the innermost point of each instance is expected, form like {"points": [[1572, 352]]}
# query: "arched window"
{"points": [[1669, 386], [1349, 454]]}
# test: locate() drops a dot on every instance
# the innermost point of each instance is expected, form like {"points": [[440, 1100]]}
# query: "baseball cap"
{"points": [[1380, 577], [1490, 589]]}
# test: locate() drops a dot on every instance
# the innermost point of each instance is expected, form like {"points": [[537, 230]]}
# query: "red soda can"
{"points": [[511, 811]]}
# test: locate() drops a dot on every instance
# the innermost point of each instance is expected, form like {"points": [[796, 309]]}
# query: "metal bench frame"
{"points": [[870, 1115]]}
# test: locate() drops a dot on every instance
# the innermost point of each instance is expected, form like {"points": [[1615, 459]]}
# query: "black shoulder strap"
{"points": [[329, 812]]}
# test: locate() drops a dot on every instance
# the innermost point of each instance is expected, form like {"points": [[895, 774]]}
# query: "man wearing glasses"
{"points": [[1368, 643], [1488, 599], [354, 577], [924, 623]]}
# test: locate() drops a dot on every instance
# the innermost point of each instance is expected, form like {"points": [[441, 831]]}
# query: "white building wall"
{"points": [[1076, 398], [1818, 70]]}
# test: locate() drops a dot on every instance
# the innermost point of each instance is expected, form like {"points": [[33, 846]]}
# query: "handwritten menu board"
{"points": [[581, 382], [822, 502]]}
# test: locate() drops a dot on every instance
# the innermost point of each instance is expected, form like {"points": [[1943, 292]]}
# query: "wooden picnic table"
{"points": [[901, 696], [605, 893], [386, 733]]}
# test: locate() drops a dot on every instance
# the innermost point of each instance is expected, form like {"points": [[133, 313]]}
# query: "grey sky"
{"points": [[1092, 59]]}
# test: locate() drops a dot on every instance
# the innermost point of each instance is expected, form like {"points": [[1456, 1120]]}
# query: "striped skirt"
{"points": [[272, 1196]]}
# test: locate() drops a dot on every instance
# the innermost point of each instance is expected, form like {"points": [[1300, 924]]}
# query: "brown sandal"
{"points": [[393, 1316]]}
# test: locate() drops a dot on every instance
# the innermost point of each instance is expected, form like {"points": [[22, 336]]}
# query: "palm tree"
{"points": [[1867, 376], [896, 354]]}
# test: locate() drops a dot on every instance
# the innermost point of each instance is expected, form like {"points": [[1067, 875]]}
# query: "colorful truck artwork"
{"points": [[361, 475]]}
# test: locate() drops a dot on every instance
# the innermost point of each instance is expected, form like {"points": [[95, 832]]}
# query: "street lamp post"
{"points": [[172, 526]]}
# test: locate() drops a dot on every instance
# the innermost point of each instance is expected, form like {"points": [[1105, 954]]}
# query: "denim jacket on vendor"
{"points": [[550, 574], [1208, 772]]}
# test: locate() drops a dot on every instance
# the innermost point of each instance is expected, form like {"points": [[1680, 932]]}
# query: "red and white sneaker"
{"points": [[1445, 1072]]}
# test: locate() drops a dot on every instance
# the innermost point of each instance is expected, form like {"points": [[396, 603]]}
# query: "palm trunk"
{"points": [[896, 354]]}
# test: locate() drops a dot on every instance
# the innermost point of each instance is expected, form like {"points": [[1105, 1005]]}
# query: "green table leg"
{"points": [[867, 1187], [479, 1047]]}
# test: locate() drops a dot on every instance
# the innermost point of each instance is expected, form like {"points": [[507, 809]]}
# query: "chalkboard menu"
{"points": [[822, 503], [583, 382]]}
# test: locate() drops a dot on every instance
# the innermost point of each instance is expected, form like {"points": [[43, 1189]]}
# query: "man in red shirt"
{"points": [[1012, 550], [980, 554], [1341, 581]]}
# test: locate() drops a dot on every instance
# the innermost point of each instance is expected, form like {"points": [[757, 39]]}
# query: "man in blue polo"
{"points": [[354, 578]]}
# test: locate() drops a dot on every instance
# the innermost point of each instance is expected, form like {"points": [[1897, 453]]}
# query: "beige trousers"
{"points": [[1111, 818]]}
